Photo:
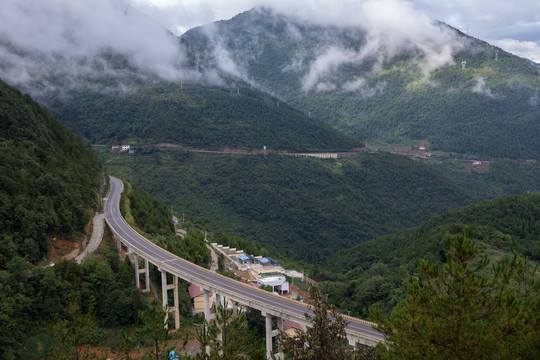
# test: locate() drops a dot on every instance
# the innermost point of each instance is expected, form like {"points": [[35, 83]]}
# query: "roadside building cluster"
{"points": [[256, 271]]}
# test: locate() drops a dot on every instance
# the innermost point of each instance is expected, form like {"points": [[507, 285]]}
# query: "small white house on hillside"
{"points": [[279, 284]]}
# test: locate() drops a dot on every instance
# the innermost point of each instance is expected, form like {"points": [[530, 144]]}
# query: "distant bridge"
{"points": [[270, 305]]}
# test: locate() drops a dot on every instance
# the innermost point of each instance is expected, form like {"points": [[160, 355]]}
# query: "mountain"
{"points": [[304, 208], [48, 178], [376, 270], [412, 82], [227, 116], [49, 184], [416, 81], [112, 101], [143, 85]]}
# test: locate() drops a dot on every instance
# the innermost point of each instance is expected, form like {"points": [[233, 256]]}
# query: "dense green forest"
{"points": [[469, 305], [467, 122], [197, 116], [376, 271], [304, 208], [500, 178], [489, 108], [343, 220], [49, 183], [44, 308], [49, 179]]}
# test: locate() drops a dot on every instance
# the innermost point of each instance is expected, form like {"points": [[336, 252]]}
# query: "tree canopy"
{"points": [[461, 308]]}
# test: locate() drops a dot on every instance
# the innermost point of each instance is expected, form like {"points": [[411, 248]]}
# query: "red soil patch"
{"points": [[61, 248]]}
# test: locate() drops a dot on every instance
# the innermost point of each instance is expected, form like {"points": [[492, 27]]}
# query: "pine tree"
{"points": [[465, 309], [228, 337], [71, 335], [325, 340], [154, 329]]}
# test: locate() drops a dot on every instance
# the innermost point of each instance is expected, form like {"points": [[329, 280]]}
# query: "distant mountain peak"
{"points": [[380, 78], [319, 48]]}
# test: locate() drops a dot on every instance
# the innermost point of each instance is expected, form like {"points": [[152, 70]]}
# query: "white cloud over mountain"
{"points": [[39, 39], [489, 20]]}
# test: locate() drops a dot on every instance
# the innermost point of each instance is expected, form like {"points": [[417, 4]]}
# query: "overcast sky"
{"points": [[512, 25]]}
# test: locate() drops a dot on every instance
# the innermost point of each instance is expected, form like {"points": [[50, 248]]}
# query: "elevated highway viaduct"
{"points": [[270, 305]]}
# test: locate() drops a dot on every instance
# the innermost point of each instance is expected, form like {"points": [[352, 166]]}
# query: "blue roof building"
{"points": [[244, 259]]}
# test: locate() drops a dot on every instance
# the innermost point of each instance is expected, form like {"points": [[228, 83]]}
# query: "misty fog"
{"points": [[58, 41]]}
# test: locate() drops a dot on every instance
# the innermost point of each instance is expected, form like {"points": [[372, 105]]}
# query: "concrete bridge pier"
{"points": [[220, 300], [165, 287], [121, 245], [279, 354], [272, 333], [207, 311], [145, 270], [207, 315], [268, 320], [352, 340]]}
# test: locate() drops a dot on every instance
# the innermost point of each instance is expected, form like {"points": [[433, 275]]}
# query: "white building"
{"points": [[279, 284]]}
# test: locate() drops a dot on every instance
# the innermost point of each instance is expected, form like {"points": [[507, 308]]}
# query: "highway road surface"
{"points": [[237, 291]]}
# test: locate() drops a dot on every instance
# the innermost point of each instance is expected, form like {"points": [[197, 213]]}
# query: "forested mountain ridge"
{"points": [[232, 116], [443, 89], [48, 178], [454, 92], [156, 93], [49, 184], [375, 271]]}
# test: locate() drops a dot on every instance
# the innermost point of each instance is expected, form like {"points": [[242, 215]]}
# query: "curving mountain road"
{"points": [[235, 290], [95, 240]]}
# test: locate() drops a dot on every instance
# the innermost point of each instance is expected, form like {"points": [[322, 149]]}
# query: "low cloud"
{"points": [[325, 65], [361, 86], [481, 88], [180, 16], [355, 85], [220, 53], [392, 27], [61, 40]]}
